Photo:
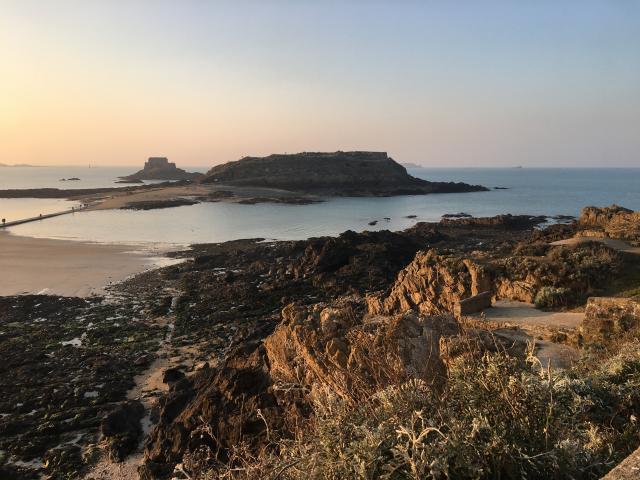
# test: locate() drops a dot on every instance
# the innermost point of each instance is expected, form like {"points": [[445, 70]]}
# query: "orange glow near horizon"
{"points": [[108, 83]]}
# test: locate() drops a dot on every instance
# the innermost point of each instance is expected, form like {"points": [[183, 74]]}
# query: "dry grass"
{"points": [[498, 416]]}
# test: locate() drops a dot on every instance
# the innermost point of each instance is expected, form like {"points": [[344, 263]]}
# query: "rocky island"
{"points": [[331, 174], [295, 179], [159, 168]]}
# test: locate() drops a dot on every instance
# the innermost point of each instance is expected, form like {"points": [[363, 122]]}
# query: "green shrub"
{"points": [[549, 298], [498, 417]]}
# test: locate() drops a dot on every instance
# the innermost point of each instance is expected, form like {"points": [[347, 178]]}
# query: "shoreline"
{"points": [[32, 265]]}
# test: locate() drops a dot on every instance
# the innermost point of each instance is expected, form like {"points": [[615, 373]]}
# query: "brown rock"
{"points": [[608, 319], [613, 221], [433, 284]]}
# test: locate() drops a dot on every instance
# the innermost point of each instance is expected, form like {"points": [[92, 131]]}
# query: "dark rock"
{"points": [[613, 221], [157, 204], [517, 222], [122, 429], [172, 375], [337, 173]]}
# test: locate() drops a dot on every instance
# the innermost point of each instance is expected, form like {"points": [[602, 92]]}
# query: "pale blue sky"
{"points": [[475, 83]]}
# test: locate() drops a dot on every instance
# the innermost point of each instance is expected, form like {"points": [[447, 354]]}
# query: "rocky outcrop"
{"points": [[336, 346], [337, 173], [159, 168], [609, 319], [436, 284], [121, 429], [268, 386], [433, 284], [508, 221], [613, 221], [207, 414], [364, 261]]}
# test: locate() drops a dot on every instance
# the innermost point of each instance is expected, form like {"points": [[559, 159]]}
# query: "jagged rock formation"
{"points": [[308, 322], [338, 347], [432, 284], [337, 173], [613, 221], [435, 284], [268, 386], [159, 168]]}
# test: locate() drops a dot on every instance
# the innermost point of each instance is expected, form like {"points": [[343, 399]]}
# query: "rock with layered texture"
{"points": [[613, 221], [336, 173], [264, 387], [339, 347], [433, 284]]}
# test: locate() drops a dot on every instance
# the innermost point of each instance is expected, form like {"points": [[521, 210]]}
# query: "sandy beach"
{"points": [[68, 268], [197, 192]]}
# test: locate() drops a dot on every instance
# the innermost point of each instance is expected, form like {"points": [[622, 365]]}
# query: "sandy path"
{"points": [[522, 313], [528, 318], [61, 267], [148, 388], [609, 242]]}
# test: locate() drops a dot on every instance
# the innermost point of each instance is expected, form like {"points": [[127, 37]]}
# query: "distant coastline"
{"points": [[18, 165]]}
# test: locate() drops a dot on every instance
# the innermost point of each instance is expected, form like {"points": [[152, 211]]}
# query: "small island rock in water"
{"points": [[159, 168]]}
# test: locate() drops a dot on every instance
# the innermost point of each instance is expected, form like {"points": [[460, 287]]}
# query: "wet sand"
{"points": [[68, 268], [121, 199], [197, 192]]}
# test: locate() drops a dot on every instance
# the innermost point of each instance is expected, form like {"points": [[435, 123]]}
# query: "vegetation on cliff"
{"points": [[336, 173], [499, 416]]}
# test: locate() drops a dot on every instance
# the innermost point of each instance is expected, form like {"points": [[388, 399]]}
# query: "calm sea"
{"points": [[530, 191]]}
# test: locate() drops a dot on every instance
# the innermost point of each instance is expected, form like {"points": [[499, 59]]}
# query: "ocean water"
{"points": [[51, 177], [530, 191]]}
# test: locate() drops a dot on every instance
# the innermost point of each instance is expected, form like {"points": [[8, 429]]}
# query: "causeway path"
{"points": [[41, 217]]}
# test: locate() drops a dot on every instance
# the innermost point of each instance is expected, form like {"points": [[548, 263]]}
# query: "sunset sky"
{"points": [[477, 83]]}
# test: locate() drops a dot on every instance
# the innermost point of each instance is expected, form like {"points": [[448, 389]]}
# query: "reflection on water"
{"points": [[540, 191], [51, 177]]}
